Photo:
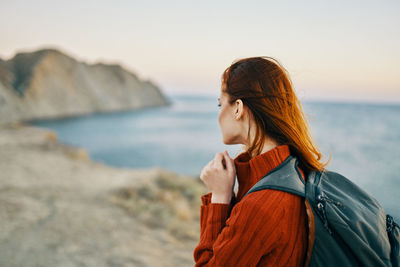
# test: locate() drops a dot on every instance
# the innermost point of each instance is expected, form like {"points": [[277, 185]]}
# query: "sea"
{"points": [[363, 139]]}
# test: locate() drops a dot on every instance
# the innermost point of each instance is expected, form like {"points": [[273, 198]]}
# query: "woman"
{"points": [[259, 109]]}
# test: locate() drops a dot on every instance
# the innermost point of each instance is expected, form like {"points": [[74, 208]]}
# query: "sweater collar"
{"points": [[250, 170]]}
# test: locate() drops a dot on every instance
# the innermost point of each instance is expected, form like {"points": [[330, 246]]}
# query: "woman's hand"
{"points": [[219, 177]]}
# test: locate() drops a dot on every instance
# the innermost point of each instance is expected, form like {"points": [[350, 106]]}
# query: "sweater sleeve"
{"points": [[240, 237], [213, 215]]}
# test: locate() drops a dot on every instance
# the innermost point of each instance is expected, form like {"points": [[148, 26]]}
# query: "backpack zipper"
{"points": [[321, 208], [321, 202], [322, 198]]}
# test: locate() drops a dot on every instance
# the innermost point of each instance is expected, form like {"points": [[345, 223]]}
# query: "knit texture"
{"points": [[265, 228]]}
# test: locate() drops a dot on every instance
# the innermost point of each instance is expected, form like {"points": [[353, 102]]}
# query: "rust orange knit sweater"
{"points": [[265, 228]]}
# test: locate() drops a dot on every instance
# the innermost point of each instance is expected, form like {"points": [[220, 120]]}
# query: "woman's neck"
{"points": [[268, 145]]}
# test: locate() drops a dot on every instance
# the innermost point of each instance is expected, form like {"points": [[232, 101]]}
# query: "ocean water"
{"points": [[363, 139]]}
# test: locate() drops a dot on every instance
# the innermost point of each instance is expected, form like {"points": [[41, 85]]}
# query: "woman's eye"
{"points": [[219, 105]]}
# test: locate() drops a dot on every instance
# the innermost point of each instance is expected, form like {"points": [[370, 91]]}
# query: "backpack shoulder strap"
{"points": [[286, 177]]}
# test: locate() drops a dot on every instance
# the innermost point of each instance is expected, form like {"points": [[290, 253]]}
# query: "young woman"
{"points": [[259, 109]]}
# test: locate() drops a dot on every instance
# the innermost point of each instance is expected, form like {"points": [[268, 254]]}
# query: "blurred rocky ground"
{"points": [[59, 208]]}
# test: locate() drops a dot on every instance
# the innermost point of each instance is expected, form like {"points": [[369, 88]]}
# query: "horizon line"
{"points": [[387, 102]]}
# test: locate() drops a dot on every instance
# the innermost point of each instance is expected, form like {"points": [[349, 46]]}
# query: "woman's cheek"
{"points": [[220, 121]]}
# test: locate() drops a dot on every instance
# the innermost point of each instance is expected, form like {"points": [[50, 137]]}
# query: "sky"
{"points": [[333, 50]]}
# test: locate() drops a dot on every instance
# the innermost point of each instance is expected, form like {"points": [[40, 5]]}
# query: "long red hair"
{"points": [[264, 86]]}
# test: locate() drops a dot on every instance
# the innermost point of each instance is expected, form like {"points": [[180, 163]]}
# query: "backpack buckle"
{"points": [[390, 223]]}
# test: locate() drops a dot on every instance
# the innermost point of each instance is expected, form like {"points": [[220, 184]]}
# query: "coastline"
{"points": [[58, 207]]}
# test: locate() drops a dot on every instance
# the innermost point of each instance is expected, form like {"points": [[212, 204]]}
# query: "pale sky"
{"points": [[333, 50]]}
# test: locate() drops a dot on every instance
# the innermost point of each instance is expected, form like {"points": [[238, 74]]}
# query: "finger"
{"points": [[206, 168], [218, 160], [224, 162], [214, 164], [230, 166]]}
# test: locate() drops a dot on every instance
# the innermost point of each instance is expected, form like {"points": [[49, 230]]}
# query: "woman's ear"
{"points": [[239, 109]]}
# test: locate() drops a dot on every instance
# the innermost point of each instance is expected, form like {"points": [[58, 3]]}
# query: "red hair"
{"points": [[264, 86]]}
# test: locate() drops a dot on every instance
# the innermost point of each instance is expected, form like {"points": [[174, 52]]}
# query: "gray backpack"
{"points": [[351, 228]]}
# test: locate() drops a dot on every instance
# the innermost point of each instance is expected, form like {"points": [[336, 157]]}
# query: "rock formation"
{"points": [[50, 84]]}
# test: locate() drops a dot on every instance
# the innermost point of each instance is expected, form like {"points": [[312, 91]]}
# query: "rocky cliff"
{"points": [[50, 84]]}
